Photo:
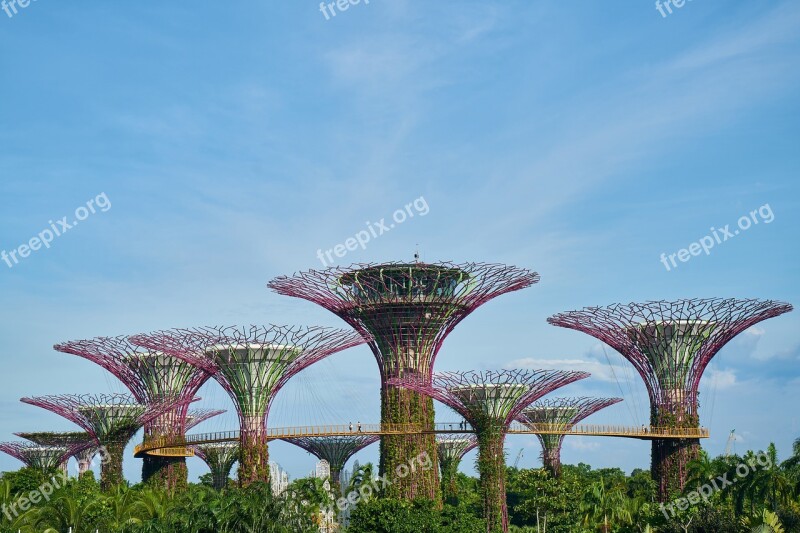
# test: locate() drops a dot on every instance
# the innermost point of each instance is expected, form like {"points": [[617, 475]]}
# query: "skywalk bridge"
{"points": [[182, 446]]}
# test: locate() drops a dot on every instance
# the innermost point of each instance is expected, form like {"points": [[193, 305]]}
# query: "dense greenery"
{"points": [[766, 498]]}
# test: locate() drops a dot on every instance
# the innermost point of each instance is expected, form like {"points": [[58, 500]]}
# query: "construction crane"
{"points": [[519, 456], [731, 443]]}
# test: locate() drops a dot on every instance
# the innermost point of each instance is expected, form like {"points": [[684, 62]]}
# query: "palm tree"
{"points": [[604, 506], [763, 486], [792, 467], [700, 470], [362, 476], [62, 513], [126, 508], [766, 522], [157, 504]]}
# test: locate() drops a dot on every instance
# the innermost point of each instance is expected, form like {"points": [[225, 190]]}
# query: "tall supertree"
{"points": [[490, 401], [670, 344], [405, 311], [112, 419], [252, 364], [151, 375], [452, 448], [83, 445], [219, 456], [336, 451], [42, 457], [559, 414]]}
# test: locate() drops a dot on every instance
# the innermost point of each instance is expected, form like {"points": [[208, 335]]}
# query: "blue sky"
{"points": [[582, 141]]}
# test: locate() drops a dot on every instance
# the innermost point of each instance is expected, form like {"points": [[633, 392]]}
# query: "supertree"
{"points": [[252, 364], [151, 375], [335, 450], [490, 401], [219, 456], [42, 457], [83, 445], [405, 311], [559, 414], [670, 344], [452, 448], [112, 419]]}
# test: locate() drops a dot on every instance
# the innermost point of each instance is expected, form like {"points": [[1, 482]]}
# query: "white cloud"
{"points": [[719, 379], [581, 444]]}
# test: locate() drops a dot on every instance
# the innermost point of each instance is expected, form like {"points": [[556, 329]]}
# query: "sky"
{"points": [[205, 148]]}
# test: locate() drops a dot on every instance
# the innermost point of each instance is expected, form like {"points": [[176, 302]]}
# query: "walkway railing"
{"points": [[176, 445]]}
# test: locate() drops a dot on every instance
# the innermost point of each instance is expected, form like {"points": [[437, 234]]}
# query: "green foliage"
{"points": [[419, 516], [26, 479], [536, 496], [583, 500]]}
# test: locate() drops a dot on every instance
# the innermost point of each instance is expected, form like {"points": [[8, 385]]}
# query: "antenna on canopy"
{"points": [[416, 254]]}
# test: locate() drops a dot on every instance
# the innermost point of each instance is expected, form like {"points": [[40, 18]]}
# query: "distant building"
{"points": [[323, 471], [279, 479]]}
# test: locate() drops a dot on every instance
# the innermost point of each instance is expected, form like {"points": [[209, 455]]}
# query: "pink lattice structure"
{"points": [[252, 364]]}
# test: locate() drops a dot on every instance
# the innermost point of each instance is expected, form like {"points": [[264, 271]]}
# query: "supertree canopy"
{"points": [[559, 414], [452, 448], [151, 375], [42, 457], [670, 344], [336, 451], [490, 401], [195, 417], [252, 364], [112, 419], [82, 444], [405, 311], [219, 456]]}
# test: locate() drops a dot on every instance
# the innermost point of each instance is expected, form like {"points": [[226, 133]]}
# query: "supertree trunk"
{"points": [[403, 407], [492, 470], [84, 467], [670, 457], [449, 469], [219, 479], [253, 454], [168, 473], [336, 483], [551, 460], [111, 470]]}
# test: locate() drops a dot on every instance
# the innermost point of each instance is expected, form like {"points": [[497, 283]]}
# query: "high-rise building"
{"points": [[278, 478]]}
